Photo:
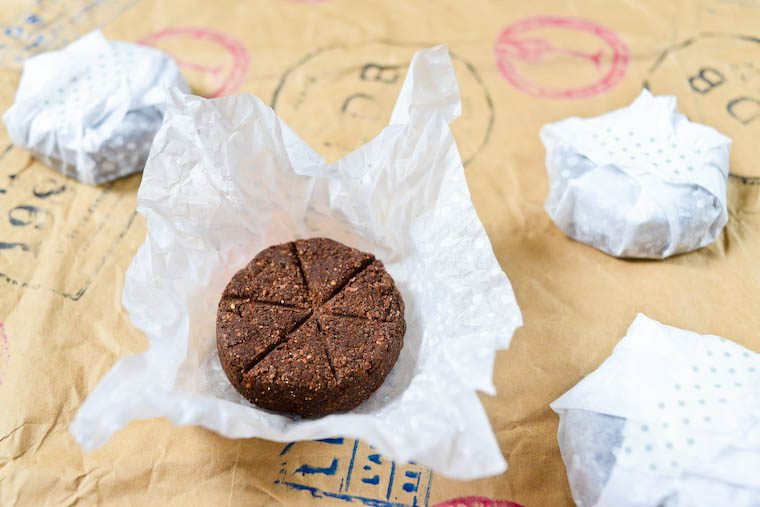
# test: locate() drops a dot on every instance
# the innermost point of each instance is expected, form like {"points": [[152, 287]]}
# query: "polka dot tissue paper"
{"points": [[91, 109], [671, 418], [642, 181]]}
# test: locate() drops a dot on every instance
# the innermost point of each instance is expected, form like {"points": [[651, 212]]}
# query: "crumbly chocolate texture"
{"points": [[310, 328]]}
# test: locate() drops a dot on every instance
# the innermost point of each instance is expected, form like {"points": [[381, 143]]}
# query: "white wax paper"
{"points": [[91, 109], [642, 181], [672, 418], [227, 178]]}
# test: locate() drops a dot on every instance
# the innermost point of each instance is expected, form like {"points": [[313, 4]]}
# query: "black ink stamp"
{"points": [[717, 83], [52, 219], [353, 89]]}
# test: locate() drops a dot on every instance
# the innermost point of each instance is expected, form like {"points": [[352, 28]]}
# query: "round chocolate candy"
{"points": [[310, 327]]}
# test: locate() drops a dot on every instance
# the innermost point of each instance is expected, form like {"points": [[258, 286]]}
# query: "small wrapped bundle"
{"points": [[670, 419], [91, 109], [642, 181]]}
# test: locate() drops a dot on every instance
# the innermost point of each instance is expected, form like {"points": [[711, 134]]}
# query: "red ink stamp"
{"points": [[4, 351], [230, 60], [560, 57], [476, 501]]}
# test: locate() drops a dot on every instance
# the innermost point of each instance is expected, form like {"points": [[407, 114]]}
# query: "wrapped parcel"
{"points": [[91, 109], [226, 178], [642, 181], [671, 418]]}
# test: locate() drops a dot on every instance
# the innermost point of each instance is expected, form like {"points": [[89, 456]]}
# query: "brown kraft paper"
{"points": [[332, 69]]}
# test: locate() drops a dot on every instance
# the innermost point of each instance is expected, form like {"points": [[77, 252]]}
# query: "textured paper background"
{"points": [[331, 69]]}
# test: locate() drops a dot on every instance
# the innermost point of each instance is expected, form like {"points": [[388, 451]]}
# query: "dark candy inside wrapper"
{"points": [[668, 419], [91, 109], [120, 155], [642, 181]]}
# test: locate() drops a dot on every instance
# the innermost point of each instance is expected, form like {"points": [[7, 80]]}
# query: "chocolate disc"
{"points": [[310, 327]]}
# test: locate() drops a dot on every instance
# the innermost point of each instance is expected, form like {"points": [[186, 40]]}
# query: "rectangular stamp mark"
{"points": [[353, 472]]}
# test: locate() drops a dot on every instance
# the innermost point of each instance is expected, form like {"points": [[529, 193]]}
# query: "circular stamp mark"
{"points": [[5, 355], [218, 62], [560, 57], [353, 89], [716, 77], [476, 501]]}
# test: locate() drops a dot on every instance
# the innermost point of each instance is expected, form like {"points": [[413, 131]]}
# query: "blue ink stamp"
{"points": [[355, 473]]}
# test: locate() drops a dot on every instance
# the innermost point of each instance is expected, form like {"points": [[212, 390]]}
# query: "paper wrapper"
{"points": [[671, 418], [91, 109], [642, 181], [225, 179]]}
